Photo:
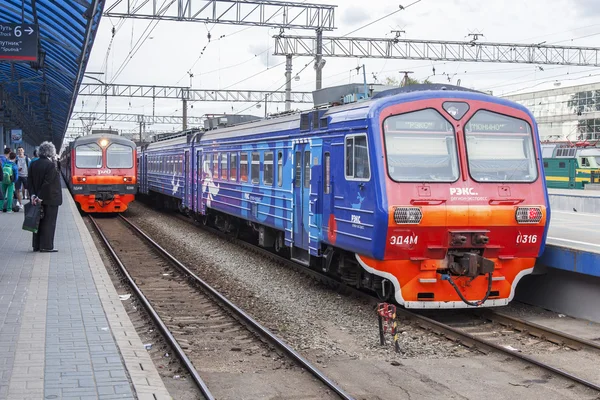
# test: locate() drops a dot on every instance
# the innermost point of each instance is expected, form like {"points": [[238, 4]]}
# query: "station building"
{"points": [[565, 113]]}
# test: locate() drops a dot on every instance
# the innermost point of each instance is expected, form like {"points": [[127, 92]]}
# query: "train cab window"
{"points": [[233, 166], [255, 168], [88, 156], [585, 162], [327, 174], [500, 148], [357, 158], [244, 167], [420, 146], [279, 168], [307, 169], [119, 156], [224, 166], [215, 167], [562, 165], [268, 169]]}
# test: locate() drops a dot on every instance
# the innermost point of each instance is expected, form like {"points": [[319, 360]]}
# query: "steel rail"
{"points": [[450, 332], [537, 330], [154, 315], [243, 315]]}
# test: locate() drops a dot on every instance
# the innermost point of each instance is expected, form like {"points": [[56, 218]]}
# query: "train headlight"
{"points": [[124, 179], [407, 215], [83, 179], [103, 142], [528, 215]]}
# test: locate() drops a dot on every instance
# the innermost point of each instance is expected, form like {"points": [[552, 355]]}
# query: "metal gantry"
{"points": [[136, 118], [274, 14], [437, 50], [187, 94]]}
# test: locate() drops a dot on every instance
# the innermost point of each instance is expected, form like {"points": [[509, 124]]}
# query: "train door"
{"points": [[302, 159], [143, 167], [187, 176], [572, 174], [201, 175], [315, 203]]}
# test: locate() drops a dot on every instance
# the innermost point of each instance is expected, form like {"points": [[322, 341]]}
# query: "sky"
{"points": [[240, 57]]}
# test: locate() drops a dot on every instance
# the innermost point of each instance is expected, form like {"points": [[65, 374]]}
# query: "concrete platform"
{"points": [[64, 333], [584, 201]]}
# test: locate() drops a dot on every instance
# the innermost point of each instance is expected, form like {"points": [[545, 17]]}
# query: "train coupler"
{"points": [[470, 264]]}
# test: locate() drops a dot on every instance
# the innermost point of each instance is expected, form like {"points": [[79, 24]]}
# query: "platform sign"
{"points": [[16, 136], [19, 42]]}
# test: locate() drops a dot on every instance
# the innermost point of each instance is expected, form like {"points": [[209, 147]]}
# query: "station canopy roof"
{"points": [[38, 97]]}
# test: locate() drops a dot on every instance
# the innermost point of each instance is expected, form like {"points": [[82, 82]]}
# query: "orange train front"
{"points": [[100, 171], [454, 210]]}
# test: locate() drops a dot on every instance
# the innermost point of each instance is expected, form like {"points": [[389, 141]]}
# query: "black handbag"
{"points": [[33, 215]]}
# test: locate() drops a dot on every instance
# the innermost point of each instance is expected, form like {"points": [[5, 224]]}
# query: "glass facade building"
{"points": [[566, 113]]}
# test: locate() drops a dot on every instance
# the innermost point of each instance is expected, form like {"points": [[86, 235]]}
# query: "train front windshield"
{"points": [[421, 147], [88, 156], [119, 156], [500, 148]]}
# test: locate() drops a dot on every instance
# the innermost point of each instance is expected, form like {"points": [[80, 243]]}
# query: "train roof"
{"points": [[98, 136], [337, 114]]}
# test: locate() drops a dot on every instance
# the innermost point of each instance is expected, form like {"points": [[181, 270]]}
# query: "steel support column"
{"points": [[288, 83]]}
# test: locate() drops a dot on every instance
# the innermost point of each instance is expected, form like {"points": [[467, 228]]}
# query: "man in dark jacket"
{"points": [[44, 187]]}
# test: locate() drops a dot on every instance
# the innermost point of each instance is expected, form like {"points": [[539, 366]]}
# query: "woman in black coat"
{"points": [[44, 186]]}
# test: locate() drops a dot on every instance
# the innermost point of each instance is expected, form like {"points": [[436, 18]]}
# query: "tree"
{"points": [[393, 81]]}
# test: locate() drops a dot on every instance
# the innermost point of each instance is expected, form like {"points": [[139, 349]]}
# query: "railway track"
{"points": [[226, 352], [476, 340]]}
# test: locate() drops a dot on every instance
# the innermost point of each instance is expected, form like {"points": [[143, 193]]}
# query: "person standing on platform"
{"points": [[10, 174], [44, 187], [4, 157], [35, 156], [21, 183]]}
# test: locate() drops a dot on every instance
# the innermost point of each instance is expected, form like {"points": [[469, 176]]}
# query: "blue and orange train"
{"points": [[433, 196]]}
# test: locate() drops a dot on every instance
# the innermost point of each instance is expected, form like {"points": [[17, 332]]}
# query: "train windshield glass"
{"points": [[88, 156], [500, 148], [119, 156], [421, 147]]}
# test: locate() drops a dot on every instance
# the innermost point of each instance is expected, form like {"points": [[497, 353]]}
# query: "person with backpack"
{"points": [[10, 173], [21, 183]]}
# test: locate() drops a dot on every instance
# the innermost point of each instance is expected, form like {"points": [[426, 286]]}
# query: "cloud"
{"points": [[587, 8], [355, 15], [264, 54]]}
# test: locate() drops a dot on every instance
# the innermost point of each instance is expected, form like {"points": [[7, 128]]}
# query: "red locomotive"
{"points": [[101, 172]]}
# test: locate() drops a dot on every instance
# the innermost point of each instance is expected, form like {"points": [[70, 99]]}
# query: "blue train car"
{"points": [[433, 197]]}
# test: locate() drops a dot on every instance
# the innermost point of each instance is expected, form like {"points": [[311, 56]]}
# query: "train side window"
{"points": [[562, 165], [255, 168], [279, 168], [298, 169], [357, 158], [307, 169], [233, 168], [327, 173], [585, 162], [268, 169], [216, 165], [545, 164], [224, 166], [244, 167]]}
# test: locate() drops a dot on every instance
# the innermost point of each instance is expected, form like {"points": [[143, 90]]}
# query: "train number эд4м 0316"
{"points": [[527, 239], [403, 240]]}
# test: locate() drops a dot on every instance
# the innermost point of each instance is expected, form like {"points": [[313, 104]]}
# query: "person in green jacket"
{"points": [[10, 173]]}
